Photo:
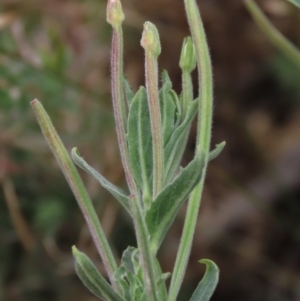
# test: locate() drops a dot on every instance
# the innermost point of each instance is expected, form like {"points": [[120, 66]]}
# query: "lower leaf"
{"points": [[92, 279], [207, 285]]}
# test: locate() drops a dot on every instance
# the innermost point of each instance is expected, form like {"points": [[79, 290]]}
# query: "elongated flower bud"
{"points": [[114, 13], [150, 39], [188, 56]]}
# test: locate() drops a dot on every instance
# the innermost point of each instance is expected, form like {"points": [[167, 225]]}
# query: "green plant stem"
{"points": [[272, 33], [187, 92], [147, 258], [70, 172], [118, 99], [203, 142], [156, 124], [115, 18]]}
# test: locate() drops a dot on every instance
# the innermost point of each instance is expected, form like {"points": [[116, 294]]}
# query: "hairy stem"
{"points": [[70, 172], [203, 141], [156, 126], [117, 87], [147, 258]]}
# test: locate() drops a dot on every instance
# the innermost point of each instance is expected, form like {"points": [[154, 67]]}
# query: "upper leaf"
{"points": [[173, 150], [118, 193], [167, 107], [166, 205], [178, 107], [128, 92], [209, 282], [140, 141]]}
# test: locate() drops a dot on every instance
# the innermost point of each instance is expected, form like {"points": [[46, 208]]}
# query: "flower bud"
{"points": [[188, 56], [114, 13], [150, 39]]}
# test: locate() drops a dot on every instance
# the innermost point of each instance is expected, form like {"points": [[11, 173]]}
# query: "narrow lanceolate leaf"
{"points": [[118, 193], [165, 207], [209, 282], [216, 152], [168, 107], [77, 186], [178, 107], [92, 279], [140, 143], [174, 148], [128, 92]]}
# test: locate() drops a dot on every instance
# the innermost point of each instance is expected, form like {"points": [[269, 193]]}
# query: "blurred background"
{"points": [[58, 51]]}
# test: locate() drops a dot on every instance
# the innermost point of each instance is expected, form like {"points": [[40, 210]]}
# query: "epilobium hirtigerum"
{"points": [[152, 138]]}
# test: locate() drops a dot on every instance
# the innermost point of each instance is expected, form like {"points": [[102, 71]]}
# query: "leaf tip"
{"points": [[74, 250], [74, 151], [209, 263]]}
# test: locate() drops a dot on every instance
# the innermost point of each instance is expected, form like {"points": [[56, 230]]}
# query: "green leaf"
{"points": [[77, 186], [178, 107], [128, 259], [166, 205], [92, 279], [295, 2], [168, 107], [175, 147], [128, 92], [118, 193], [209, 282], [140, 142], [163, 277], [162, 286], [120, 276], [135, 287], [216, 152], [130, 270]]}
